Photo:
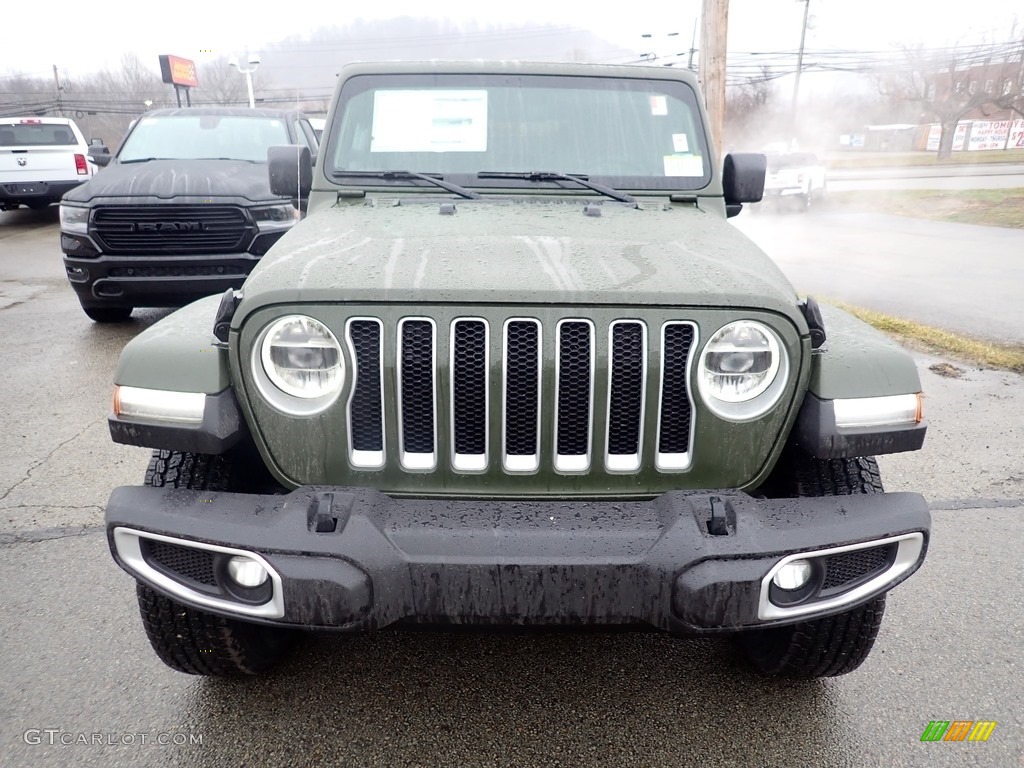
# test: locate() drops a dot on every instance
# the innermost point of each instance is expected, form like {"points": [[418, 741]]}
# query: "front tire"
{"points": [[108, 314], [825, 647], [185, 638], [834, 645]]}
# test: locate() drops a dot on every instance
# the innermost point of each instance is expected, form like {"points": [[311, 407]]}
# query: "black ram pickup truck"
{"points": [[182, 211]]}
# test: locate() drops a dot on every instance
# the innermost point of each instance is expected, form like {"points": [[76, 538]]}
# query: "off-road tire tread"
{"points": [[187, 639], [195, 471], [836, 477], [834, 645], [826, 647], [200, 643]]}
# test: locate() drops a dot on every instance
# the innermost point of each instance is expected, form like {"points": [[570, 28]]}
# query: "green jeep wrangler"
{"points": [[515, 368]]}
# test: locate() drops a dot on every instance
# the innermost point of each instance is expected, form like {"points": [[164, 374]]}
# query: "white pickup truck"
{"points": [[797, 177], [41, 158]]}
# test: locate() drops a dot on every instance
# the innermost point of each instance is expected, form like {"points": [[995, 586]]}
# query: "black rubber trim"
{"points": [[525, 562], [222, 427], [816, 433]]}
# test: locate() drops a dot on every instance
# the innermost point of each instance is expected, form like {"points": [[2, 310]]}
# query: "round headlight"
{"points": [[302, 358], [739, 365]]}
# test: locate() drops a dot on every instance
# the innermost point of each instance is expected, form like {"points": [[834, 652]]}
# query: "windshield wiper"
{"points": [[583, 181], [142, 160], [391, 175]]}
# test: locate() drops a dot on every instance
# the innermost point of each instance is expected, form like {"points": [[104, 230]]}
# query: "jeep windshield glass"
{"points": [[625, 133], [187, 137]]}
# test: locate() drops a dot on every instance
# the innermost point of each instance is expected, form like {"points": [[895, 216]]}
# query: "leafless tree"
{"points": [[220, 83], [950, 84]]}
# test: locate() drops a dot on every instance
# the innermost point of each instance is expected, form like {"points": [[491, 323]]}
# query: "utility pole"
{"points": [[714, 38], [56, 82], [693, 45], [799, 66]]}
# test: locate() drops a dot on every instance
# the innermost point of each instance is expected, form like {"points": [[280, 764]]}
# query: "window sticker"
{"points": [[680, 143], [659, 105], [683, 165], [429, 121]]}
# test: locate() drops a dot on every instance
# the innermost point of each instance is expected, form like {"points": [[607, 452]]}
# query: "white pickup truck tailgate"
{"points": [[38, 164], [41, 149]]}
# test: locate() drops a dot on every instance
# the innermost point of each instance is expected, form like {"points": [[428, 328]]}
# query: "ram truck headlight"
{"points": [[299, 365], [74, 220], [739, 372], [274, 218]]}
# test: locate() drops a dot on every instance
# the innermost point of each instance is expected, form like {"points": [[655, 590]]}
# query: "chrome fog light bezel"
{"points": [[127, 545], [908, 554]]}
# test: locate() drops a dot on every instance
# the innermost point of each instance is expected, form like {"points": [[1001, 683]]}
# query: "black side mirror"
{"points": [[291, 171], [100, 159], [743, 180]]}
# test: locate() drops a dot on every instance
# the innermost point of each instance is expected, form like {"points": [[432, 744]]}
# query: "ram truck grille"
{"points": [[532, 378], [172, 229]]}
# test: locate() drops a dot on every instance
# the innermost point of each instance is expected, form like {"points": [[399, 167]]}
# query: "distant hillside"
{"points": [[309, 64]]}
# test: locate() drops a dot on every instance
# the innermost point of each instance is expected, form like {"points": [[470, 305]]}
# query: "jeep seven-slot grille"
{"points": [[477, 384], [171, 229]]}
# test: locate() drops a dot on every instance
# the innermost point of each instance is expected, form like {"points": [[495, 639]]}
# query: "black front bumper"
{"points": [[154, 281], [356, 559]]}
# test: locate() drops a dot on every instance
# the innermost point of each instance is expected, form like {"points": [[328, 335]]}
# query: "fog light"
{"points": [[246, 572], [793, 574]]}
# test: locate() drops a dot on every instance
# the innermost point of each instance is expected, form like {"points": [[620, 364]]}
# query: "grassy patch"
{"points": [[990, 207], [858, 160], [936, 340]]}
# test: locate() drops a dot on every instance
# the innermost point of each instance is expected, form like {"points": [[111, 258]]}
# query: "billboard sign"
{"points": [[178, 71]]}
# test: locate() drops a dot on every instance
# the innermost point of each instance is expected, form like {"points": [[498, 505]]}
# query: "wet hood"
{"points": [[166, 179], [527, 252]]}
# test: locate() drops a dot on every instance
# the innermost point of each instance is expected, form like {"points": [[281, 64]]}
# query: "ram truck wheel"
{"points": [[108, 314], [834, 645], [191, 640]]}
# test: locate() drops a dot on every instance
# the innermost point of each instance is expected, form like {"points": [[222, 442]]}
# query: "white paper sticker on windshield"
{"points": [[683, 165], [429, 121], [659, 105], [679, 143]]}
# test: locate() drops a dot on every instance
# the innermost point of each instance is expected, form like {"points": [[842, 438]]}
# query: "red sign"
{"points": [[178, 71]]}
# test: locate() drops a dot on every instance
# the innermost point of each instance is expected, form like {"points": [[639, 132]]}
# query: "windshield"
{"points": [[190, 137], [634, 133], [36, 134]]}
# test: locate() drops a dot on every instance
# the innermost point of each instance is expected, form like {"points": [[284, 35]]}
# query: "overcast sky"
{"points": [[34, 35]]}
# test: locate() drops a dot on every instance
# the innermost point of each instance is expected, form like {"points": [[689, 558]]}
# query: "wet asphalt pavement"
{"points": [[75, 665]]}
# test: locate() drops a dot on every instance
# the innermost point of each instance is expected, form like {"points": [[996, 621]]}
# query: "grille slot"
{"points": [[172, 229], [627, 372], [574, 388], [676, 410], [522, 395], [416, 366], [183, 562], [366, 405], [850, 568], [469, 364]]}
